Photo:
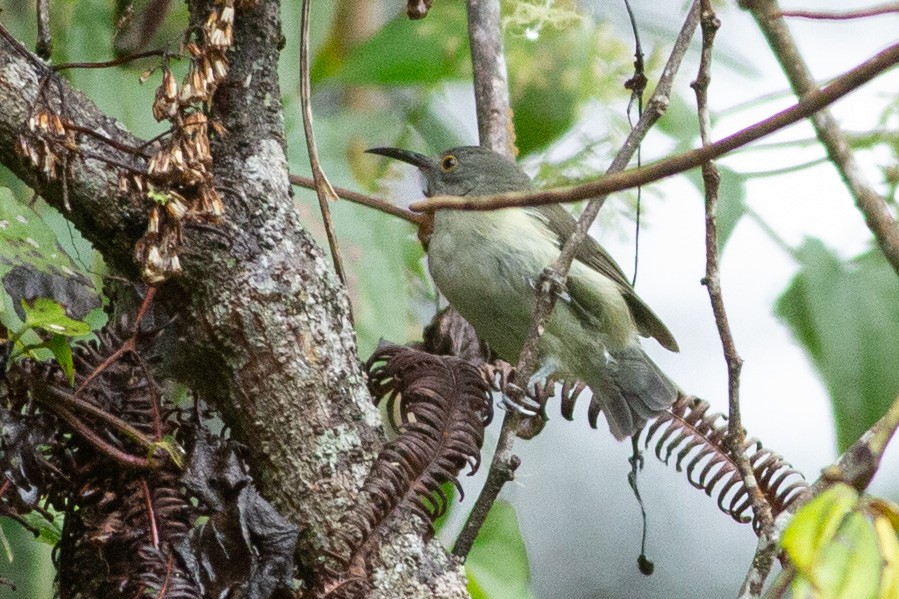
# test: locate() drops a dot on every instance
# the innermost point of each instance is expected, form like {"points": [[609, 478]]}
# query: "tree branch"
{"points": [[736, 436], [872, 205], [364, 200], [491, 87], [495, 131], [811, 102], [861, 13], [262, 328]]}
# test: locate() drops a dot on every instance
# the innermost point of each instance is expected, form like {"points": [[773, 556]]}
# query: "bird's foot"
{"points": [[522, 404], [551, 282]]}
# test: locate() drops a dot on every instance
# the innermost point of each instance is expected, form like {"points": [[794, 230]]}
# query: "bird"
{"points": [[487, 264]]}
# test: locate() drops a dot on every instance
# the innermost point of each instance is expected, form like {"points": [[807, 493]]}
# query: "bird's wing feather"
{"points": [[593, 255]]}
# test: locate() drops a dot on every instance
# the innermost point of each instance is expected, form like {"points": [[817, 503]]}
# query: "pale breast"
{"points": [[485, 264]]}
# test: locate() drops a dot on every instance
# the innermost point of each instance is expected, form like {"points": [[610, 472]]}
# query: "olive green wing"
{"points": [[593, 255]]}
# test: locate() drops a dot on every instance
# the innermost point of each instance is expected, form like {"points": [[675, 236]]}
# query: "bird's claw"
{"points": [[527, 407], [551, 281]]}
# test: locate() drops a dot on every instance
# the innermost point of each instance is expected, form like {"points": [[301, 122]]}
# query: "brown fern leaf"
{"points": [[442, 403], [698, 440]]}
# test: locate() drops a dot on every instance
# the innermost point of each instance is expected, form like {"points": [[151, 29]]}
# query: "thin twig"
{"points": [[495, 131], [712, 280], [491, 88], [365, 200], [860, 13], [637, 86], [556, 274], [92, 132], [44, 46], [76, 403], [812, 102], [108, 63], [781, 584], [736, 436], [872, 205], [124, 459], [151, 515], [323, 187], [765, 553]]}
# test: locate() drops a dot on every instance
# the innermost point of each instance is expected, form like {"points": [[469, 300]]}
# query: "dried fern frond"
{"points": [[448, 334], [442, 402], [697, 440]]}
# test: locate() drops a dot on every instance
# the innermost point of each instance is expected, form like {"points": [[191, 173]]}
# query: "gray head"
{"points": [[466, 170]]}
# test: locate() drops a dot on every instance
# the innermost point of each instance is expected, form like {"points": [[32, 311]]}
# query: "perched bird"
{"points": [[487, 264]]}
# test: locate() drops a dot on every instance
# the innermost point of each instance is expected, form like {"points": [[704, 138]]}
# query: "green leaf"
{"points": [[846, 316], [497, 567], [814, 526], [555, 73], [48, 532], [48, 315], [26, 239], [171, 446], [888, 537], [406, 52], [850, 566], [62, 351]]}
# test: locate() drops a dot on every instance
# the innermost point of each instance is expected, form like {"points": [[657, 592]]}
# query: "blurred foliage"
{"points": [[31, 248], [844, 547], [25, 563], [846, 316], [497, 567]]}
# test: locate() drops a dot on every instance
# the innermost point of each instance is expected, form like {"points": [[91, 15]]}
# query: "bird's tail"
{"points": [[632, 390]]}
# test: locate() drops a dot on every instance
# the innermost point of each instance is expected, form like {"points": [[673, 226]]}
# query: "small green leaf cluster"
{"points": [[844, 546]]}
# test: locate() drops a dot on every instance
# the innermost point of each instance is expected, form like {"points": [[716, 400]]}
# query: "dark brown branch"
{"points": [[323, 188], [108, 63], [811, 102], [365, 200], [76, 403], [125, 459], [861, 13], [871, 204]]}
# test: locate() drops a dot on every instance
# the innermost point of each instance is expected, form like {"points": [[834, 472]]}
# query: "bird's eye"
{"points": [[449, 163]]}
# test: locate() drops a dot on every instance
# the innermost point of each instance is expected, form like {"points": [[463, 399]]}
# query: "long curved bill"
{"points": [[407, 156]]}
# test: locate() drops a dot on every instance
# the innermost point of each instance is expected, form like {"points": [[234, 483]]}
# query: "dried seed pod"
{"points": [[176, 207], [153, 221]]}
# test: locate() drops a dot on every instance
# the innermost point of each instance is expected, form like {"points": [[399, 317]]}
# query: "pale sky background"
{"points": [[580, 523]]}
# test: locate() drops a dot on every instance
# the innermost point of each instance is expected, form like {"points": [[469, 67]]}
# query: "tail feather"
{"points": [[632, 390]]}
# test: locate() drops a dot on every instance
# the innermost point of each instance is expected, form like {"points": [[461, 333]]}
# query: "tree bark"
{"points": [[261, 328]]}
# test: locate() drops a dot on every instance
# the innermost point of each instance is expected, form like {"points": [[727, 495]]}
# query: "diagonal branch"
{"points": [[872, 205], [323, 188], [810, 103]]}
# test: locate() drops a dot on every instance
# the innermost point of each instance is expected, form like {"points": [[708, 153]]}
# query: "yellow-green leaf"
{"points": [[814, 526], [48, 315]]}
